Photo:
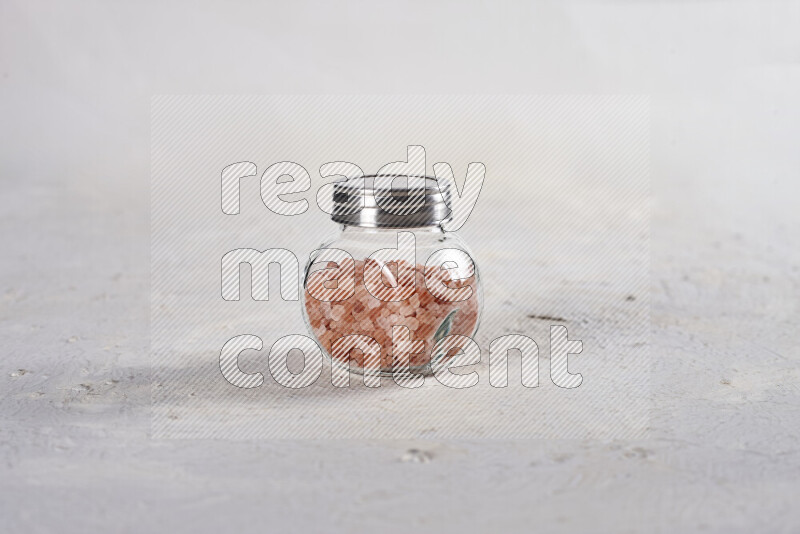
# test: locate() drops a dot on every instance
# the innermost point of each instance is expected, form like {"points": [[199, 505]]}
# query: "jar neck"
{"points": [[352, 229]]}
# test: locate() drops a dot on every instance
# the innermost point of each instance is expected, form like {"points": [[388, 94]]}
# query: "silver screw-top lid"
{"points": [[391, 201]]}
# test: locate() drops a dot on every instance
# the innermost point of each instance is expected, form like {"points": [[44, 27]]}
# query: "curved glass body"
{"points": [[432, 288]]}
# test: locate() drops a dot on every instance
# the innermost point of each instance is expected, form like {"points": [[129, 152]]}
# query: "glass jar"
{"points": [[391, 265]]}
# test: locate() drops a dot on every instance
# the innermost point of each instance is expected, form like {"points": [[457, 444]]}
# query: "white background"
{"points": [[75, 86], [560, 230]]}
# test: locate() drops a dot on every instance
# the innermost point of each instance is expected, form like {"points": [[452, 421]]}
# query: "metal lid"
{"points": [[390, 201]]}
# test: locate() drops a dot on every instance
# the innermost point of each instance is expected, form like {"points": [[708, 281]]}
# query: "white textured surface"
{"points": [[723, 453]]}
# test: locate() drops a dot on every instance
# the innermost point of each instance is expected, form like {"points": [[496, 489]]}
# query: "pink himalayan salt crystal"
{"points": [[337, 312], [422, 313]]}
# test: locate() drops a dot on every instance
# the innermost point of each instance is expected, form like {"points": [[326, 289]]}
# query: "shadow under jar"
{"points": [[391, 265]]}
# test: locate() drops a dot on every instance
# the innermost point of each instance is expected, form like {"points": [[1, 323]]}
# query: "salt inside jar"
{"points": [[393, 289]]}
